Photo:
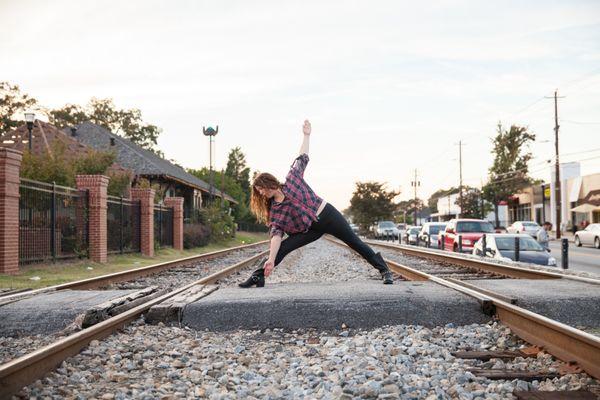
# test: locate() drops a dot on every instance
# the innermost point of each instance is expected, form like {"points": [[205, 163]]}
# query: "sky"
{"points": [[389, 86]]}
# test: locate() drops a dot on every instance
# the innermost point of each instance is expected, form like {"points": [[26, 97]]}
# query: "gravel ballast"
{"points": [[408, 362]]}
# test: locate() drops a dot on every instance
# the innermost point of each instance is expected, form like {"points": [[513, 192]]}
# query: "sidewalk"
{"points": [[568, 235]]}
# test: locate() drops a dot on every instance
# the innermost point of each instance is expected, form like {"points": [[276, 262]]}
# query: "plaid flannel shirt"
{"points": [[298, 210]]}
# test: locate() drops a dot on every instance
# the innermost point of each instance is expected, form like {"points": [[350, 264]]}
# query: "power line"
{"points": [[579, 122]]}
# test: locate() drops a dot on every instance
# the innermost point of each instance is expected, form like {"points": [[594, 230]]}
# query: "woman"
{"points": [[295, 209]]}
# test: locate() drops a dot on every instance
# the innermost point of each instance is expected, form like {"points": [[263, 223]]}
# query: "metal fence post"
{"points": [[53, 223], [417, 240], [565, 253], [484, 244], [517, 249], [460, 244], [160, 216], [121, 226], [442, 244], [428, 240]]}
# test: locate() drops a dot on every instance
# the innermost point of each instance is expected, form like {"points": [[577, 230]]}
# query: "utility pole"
{"points": [[415, 184], [556, 165], [460, 185]]}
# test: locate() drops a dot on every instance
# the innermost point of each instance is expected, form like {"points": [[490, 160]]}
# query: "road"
{"points": [[580, 258]]}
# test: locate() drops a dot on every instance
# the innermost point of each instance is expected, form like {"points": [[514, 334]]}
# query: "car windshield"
{"points": [[525, 244], [474, 226], [435, 229], [530, 224], [414, 231], [387, 224]]}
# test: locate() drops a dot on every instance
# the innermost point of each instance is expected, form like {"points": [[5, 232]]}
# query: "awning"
{"points": [[585, 208]]}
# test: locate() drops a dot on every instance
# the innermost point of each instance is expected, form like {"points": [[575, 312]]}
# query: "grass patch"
{"points": [[67, 271]]}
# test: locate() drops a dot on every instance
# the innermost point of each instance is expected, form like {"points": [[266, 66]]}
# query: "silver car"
{"points": [[589, 236], [529, 227], [431, 229]]}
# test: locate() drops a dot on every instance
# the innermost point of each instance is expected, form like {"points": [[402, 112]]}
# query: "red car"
{"points": [[470, 230]]}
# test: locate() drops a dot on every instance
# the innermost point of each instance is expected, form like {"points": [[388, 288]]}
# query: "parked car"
{"points": [[589, 236], [354, 228], [529, 227], [386, 229], [502, 247], [470, 230], [411, 234], [401, 226], [431, 229]]}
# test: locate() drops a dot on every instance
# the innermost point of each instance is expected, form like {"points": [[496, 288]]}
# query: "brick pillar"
{"points": [[96, 186], [177, 204], [10, 164], [146, 198]]}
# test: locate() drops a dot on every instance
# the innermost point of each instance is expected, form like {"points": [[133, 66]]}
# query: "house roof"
{"points": [[43, 136], [140, 160]]}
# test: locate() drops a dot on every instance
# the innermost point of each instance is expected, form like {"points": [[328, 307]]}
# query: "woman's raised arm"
{"points": [[306, 129]]}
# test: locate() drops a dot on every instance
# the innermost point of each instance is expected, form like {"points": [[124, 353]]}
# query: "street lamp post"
{"points": [[211, 133], [29, 118]]}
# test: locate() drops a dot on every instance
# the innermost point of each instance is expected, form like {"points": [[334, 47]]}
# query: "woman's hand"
{"points": [[306, 128], [268, 267]]}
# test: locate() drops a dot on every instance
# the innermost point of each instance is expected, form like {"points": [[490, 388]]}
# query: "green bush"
{"points": [[195, 235], [220, 223]]}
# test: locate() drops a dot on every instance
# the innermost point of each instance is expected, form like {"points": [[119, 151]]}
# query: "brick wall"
{"points": [[10, 163], [177, 204]]}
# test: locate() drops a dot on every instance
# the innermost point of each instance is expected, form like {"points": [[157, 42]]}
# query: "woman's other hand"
{"points": [[268, 267], [306, 128]]}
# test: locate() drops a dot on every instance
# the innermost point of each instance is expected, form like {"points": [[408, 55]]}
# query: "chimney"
{"points": [[112, 141], [73, 131]]}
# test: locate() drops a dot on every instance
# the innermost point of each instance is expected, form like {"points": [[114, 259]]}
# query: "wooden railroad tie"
{"points": [[171, 310]]}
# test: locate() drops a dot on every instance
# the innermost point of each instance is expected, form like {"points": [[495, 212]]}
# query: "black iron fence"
{"points": [[163, 226], [123, 225], [53, 222], [248, 227]]}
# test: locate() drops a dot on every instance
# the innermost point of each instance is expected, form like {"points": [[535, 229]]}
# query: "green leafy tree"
{"points": [[509, 172], [473, 204], [237, 169], [61, 167], [13, 104], [228, 185], [406, 209], [103, 112], [370, 202]]}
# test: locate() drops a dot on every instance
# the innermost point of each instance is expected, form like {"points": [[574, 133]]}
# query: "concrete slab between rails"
{"points": [[49, 313], [367, 304], [570, 302]]}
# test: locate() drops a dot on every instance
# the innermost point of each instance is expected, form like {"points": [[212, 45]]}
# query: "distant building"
{"points": [[448, 208]]}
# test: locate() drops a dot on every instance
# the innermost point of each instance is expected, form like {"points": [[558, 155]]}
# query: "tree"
{"points": [[370, 202], [473, 204], [229, 186], [509, 172], [237, 169], [61, 167], [103, 112], [406, 209], [13, 104]]}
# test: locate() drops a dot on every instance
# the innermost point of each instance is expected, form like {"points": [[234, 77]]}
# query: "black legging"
{"points": [[333, 222]]}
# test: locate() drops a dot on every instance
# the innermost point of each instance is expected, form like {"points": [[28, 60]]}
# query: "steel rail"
{"points": [[512, 271], [26, 369], [560, 340], [123, 276]]}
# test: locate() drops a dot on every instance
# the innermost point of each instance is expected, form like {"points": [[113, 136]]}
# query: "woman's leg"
{"points": [[296, 241], [336, 225]]}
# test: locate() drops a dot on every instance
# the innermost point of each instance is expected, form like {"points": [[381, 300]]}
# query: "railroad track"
{"points": [[26, 369], [454, 265], [573, 346], [116, 278]]}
